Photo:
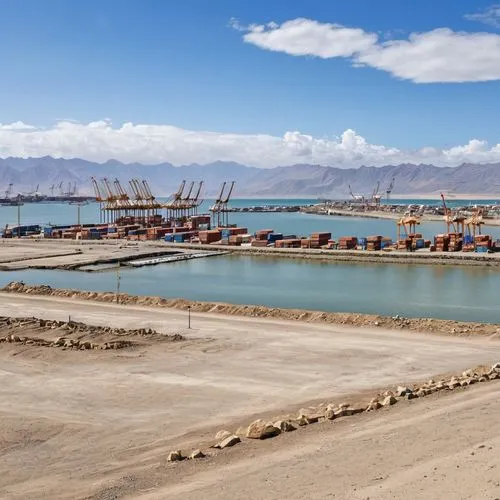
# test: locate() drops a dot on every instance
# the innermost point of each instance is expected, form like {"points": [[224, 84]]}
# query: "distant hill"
{"points": [[295, 180]]}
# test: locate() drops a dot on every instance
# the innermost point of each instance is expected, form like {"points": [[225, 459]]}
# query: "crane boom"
{"points": [[226, 199], [95, 185], [188, 194], [197, 195]]}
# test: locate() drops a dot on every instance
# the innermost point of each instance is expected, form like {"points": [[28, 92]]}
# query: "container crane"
{"points": [[220, 210], [358, 198], [8, 191], [195, 201], [407, 226], [455, 223], [376, 197], [389, 188], [98, 196]]}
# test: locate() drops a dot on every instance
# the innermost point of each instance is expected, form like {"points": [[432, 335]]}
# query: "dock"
{"points": [[171, 258]]}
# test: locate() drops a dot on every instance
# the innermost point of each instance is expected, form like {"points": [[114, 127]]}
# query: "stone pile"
{"points": [[74, 327], [261, 429], [66, 343]]}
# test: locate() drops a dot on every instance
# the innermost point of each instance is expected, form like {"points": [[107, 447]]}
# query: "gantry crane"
{"points": [[183, 203], [407, 226], [8, 191], [455, 223], [376, 197], [474, 223], [389, 188], [220, 209]]}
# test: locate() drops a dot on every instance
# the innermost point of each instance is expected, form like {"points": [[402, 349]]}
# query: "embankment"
{"points": [[431, 325], [380, 257]]}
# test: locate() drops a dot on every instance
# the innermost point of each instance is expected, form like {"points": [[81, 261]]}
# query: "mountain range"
{"points": [[302, 180]]}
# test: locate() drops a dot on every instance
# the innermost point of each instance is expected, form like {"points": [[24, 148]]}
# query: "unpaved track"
{"points": [[76, 423]]}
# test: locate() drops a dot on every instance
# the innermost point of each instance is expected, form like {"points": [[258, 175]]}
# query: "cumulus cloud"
{"points": [[489, 16], [302, 37], [100, 141], [440, 55]]}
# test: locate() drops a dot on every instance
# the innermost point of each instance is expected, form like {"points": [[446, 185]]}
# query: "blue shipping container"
{"points": [[271, 237]]}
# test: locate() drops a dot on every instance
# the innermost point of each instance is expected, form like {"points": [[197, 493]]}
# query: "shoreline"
{"points": [[43, 254], [378, 214], [427, 325]]}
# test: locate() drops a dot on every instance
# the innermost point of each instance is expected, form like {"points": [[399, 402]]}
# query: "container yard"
{"points": [[136, 216]]}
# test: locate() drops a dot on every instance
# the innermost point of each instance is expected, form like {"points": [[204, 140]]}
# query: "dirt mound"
{"points": [[71, 334]]}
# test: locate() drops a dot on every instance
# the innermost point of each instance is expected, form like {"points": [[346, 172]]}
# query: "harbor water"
{"points": [[447, 292]]}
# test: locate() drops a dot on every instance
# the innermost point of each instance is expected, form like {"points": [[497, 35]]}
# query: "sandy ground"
{"points": [[439, 448], [99, 424], [23, 254]]}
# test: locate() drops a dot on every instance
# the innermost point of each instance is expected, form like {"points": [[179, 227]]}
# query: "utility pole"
{"points": [[19, 203], [78, 204], [118, 278], [189, 317]]}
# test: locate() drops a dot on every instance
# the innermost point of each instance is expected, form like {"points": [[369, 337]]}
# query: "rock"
{"points": [[228, 442], [389, 400], [262, 430], [60, 341], [310, 415], [197, 454], [330, 413], [374, 406], [453, 384], [468, 373], [494, 376], [496, 366], [484, 378], [284, 425], [223, 435], [175, 456], [411, 395], [301, 421], [403, 391]]}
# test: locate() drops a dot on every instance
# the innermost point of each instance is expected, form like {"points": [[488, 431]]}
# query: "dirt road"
{"points": [[438, 448], [99, 423]]}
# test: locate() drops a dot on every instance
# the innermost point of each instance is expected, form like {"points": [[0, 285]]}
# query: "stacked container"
{"points": [[348, 243]]}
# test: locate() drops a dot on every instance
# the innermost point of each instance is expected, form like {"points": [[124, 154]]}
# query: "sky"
{"points": [[264, 83]]}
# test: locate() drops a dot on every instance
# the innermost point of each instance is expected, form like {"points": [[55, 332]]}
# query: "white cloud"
{"points": [[302, 37], [100, 141], [440, 55], [489, 16]]}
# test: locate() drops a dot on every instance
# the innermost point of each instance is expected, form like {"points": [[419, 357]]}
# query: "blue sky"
{"points": [[181, 64]]}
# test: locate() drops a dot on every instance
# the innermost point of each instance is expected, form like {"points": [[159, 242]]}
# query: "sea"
{"points": [[410, 290]]}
